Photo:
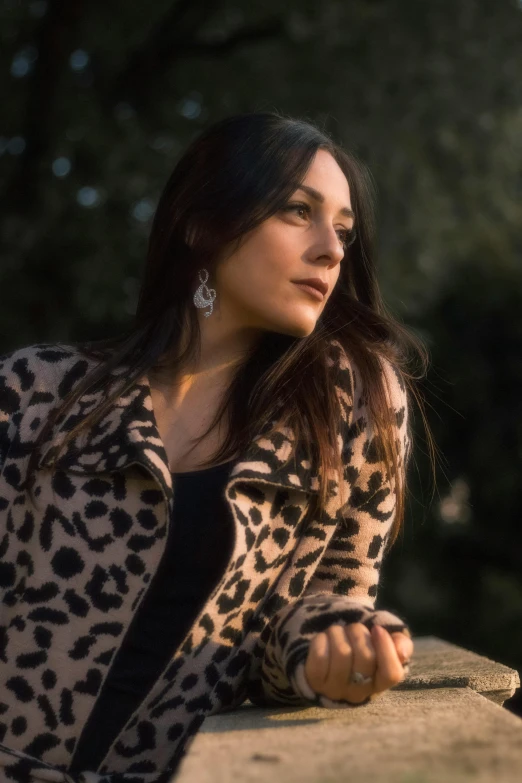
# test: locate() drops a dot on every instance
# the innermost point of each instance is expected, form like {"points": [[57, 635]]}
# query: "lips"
{"points": [[315, 282], [311, 291]]}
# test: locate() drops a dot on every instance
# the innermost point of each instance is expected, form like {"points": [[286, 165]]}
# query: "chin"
{"points": [[297, 329]]}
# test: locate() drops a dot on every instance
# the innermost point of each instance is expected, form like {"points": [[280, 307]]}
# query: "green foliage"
{"points": [[456, 572], [106, 96]]}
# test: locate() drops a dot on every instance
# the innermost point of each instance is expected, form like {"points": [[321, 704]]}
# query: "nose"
{"points": [[328, 245]]}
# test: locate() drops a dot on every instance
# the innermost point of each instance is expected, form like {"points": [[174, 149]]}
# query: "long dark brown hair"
{"points": [[236, 174]]}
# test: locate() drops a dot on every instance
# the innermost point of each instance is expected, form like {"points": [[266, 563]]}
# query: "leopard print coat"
{"points": [[75, 566]]}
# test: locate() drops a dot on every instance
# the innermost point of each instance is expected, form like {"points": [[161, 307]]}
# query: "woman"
{"points": [[195, 513]]}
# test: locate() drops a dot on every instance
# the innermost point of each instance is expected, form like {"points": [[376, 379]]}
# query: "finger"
{"points": [[389, 668], [364, 655], [341, 655], [318, 662], [364, 660], [403, 645]]}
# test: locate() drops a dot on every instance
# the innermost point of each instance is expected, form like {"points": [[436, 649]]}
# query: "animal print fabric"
{"points": [[75, 565]]}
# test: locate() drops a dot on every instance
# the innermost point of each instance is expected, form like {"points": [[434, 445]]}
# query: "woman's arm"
{"points": [[344, 586]]}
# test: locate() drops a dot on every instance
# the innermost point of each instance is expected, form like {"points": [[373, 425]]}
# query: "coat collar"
{"points": [[128, 435]]}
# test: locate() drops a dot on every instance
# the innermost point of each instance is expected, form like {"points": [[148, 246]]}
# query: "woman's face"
{"points": [[306, 239]]}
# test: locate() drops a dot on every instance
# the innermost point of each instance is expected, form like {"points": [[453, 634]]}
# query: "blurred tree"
{"points": [[457, 572], [100, 100]]}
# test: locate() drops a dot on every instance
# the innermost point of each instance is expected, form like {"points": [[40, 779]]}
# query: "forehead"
{"points": [[325, 175]]}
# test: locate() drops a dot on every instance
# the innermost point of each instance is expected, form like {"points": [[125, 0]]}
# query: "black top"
{"points": [[199, 544]]}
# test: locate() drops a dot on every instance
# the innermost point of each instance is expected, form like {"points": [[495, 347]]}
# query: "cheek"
{"points": [[262, 265]]}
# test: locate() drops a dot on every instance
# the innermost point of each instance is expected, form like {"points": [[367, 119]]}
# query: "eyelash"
{"points": [[349, 234]]}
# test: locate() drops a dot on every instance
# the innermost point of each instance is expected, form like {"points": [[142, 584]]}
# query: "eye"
{"points": [[347, 236], [297, 207]]}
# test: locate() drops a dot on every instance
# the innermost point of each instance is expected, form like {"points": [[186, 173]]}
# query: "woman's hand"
{"points": [[340, 650]]}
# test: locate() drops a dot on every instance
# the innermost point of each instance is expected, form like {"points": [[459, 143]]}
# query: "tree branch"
{"points": [[52, 42], [173, 38], [272, 28]]}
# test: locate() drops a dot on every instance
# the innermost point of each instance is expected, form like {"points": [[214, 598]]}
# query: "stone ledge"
{"points": [[440, 664], [449, 735], [435, 727]]}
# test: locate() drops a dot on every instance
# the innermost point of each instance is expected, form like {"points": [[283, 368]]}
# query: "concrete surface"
{"points": [[439, 664], [441, 725]]}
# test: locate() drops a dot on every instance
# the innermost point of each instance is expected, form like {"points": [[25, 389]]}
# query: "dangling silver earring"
{"points": [[210, 293]]}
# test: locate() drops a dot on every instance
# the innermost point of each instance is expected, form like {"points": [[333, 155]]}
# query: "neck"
{"points": [[223, 350]]}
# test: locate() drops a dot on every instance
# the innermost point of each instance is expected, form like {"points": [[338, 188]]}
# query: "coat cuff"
{"points": [[282, 670]]}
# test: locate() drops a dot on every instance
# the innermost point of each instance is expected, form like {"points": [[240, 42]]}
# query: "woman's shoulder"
{"points": [[37, 353], [350, 377], [39, 367]]}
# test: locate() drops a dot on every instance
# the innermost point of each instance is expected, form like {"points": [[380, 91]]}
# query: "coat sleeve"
{"points": [[343, 588]]}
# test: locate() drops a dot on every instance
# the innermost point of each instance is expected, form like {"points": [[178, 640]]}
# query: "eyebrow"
{"points": [[315, 194]]}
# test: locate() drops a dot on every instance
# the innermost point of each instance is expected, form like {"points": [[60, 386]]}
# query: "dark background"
{"points": [[99, 100]]}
